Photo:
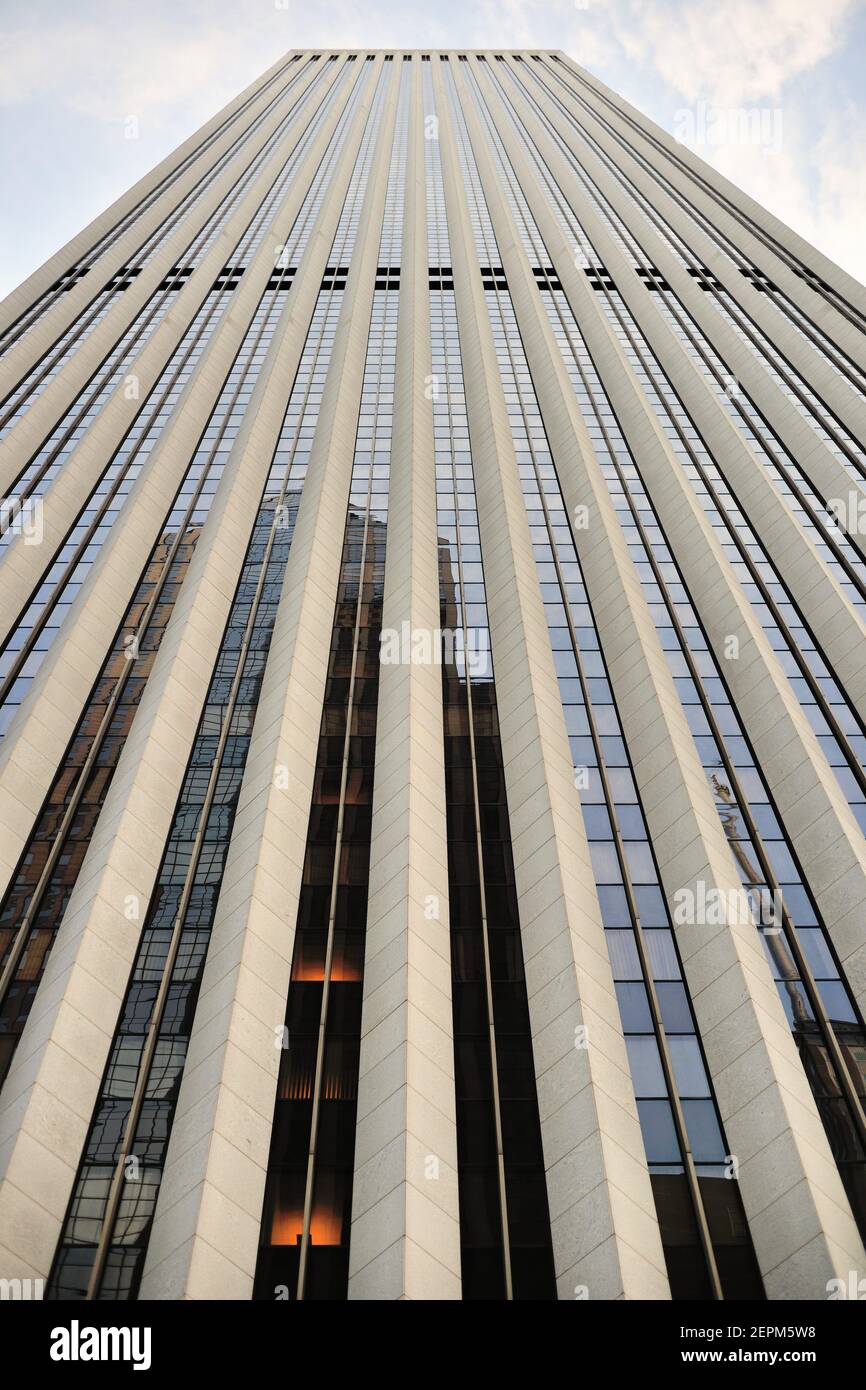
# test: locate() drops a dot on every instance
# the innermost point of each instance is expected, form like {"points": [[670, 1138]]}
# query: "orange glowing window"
{"points": [[326, 1226], [309, 964], [287, 1227]]}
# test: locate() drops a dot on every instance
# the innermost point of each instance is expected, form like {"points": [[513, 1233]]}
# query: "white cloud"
{"points": [[810, 182], [152, 60], [105, 74], [753, 56], [739, 51]]}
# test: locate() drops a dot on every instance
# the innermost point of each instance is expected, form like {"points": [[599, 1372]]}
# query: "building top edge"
{"points": [[362, 48]]}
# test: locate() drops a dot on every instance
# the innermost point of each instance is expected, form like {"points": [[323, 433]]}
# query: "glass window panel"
{"points": [[646, 1068], [689, 1073], [634, 1008], [659, 1133], [703, 1130], [623, 955], [662, 954]]}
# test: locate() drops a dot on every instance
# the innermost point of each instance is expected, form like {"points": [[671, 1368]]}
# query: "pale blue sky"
{"points": [[70, 76]]}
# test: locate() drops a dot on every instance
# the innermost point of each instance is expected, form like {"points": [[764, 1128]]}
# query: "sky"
{"points": [[771, 92]]}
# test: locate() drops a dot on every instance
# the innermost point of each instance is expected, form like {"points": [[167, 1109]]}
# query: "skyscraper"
{"points": [[433, 713]]}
